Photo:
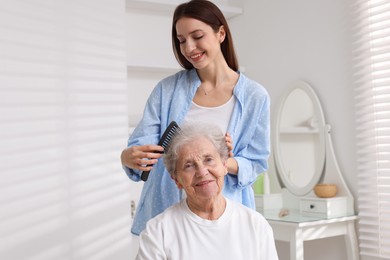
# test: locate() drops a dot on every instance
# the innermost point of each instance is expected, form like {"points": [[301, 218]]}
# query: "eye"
{"points": [[198, 37], [181, 40], [209, 160], [188, 166]]}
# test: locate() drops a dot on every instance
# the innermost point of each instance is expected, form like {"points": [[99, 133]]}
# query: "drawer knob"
{"points": [[312, 206]]}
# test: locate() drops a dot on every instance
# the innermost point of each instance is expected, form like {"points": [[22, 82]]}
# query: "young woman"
{"points": [[210, 89]]}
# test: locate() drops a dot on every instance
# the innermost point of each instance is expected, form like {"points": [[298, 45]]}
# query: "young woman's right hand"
{"points": [[141, 157]]}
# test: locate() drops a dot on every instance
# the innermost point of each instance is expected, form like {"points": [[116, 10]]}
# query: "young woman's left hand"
{"points": [[229, 143]]}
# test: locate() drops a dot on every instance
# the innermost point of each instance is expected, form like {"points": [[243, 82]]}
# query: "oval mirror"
{"points": [[299, 139]]}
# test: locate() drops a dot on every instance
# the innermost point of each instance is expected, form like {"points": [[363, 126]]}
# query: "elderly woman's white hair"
{"points": [[190, 132]]}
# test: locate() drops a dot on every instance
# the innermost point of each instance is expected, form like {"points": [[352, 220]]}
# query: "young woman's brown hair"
{"points": [[209, 13]]}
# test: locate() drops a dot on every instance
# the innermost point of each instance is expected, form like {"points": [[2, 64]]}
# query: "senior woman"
{"points": [[205, 224]]}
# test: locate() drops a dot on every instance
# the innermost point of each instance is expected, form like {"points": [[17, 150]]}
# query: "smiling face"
{"points": [[199, 43], [200, 170]]}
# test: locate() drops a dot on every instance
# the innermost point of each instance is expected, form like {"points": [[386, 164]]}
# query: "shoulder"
{"points": [[167, 86], [182, 75], [174, 83], [248, 215], [247, 87], [165, 218]]}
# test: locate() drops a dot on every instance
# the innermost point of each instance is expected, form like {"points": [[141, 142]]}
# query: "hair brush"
{"points": [[165, 141]]}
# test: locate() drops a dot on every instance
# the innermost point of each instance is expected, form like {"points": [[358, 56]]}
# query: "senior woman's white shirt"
{"points": [[178, 233]]}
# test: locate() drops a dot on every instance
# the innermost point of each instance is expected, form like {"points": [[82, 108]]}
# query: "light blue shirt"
{"points": [[249, 127]]}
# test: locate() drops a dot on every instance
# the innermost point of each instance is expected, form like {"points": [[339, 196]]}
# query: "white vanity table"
{"points": [[302, 157], [296, 229]]}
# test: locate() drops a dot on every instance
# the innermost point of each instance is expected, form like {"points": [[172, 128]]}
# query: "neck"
{"points": [[210, 209], [217, 80], [215, 75]]}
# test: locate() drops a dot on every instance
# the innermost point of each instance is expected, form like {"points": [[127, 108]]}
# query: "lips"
{"points": [[202, 183], [196, 57]]}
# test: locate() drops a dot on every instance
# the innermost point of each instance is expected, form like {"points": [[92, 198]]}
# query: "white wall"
{"points": [[63, 123], [149, 55], [279, 42]]}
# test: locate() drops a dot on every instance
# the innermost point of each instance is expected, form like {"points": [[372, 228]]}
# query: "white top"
{"points": [[178, 233], [219, 115]]}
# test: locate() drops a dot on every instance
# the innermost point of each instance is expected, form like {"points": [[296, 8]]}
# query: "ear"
{"points": [[179, 186], [225, 166], [222, 34]]}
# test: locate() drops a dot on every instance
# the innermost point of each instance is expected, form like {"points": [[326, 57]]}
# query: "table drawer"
{"points": [[326, 208]]}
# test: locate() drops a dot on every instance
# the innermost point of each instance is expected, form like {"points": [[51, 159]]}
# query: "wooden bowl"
{"points": [[325, 190]]}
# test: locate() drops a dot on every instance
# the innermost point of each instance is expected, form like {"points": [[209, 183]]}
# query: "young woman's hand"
{"points": [[229, 143], [141, 157], [232, 165]]}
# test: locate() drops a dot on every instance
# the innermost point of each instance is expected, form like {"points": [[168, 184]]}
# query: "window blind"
{"points": [[63, 116], [372, 84]]}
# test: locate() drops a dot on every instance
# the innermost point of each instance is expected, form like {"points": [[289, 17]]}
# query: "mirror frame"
{"points": [[319, 168]]}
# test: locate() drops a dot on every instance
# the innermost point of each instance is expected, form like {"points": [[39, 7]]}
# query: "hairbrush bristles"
{"points": [[165, 141]]}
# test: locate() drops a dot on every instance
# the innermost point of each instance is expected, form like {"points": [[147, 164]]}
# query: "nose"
{"points": [[201, 171], [189, 46]]}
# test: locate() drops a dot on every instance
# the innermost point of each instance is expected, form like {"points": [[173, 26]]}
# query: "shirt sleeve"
{"points": [[151, 244], [252, 159], [148, 129], [268, 244]]}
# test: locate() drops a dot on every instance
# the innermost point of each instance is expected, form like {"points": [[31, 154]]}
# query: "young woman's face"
{"points": [[199, 44], [200, 170]]}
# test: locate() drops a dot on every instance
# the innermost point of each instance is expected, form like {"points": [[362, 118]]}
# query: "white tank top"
{"points": [[219, 116]]}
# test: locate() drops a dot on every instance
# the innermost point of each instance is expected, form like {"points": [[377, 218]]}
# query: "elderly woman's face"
{"points": [[200, 170]]}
